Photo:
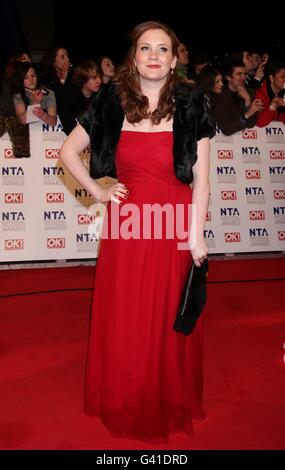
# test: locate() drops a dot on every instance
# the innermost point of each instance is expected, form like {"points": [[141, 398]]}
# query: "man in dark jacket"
{"points": [[235, 108]]}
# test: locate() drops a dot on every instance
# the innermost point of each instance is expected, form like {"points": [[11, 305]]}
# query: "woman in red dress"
{"points": [[144, 380]]}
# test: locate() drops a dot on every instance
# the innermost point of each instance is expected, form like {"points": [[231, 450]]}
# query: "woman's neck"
{"points": [[106, 79], [151, 91]]}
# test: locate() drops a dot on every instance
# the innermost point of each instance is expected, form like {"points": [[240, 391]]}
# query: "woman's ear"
{"points": [[174, 62]]}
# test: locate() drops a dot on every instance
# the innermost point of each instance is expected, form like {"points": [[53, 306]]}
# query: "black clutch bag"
{"points": [[193, 299]]}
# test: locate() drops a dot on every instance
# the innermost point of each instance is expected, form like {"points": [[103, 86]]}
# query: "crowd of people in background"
{"points": [[52, 88], [243, 89]]}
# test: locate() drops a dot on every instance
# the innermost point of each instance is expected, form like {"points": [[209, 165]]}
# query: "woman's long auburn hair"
{"points": [[134, 103]]}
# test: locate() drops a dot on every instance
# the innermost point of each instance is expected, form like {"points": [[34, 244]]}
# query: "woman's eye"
{"points": [[144, 48], [163, 49]]}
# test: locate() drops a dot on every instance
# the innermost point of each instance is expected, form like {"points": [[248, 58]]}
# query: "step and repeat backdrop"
{"points": [[247, 204], [46, 215]]}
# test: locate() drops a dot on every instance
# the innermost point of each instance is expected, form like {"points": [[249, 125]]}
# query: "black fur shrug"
{"points": [[103, 121]]}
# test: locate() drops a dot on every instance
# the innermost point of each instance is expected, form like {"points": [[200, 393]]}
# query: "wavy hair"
{"points": [[207, 79], [134, 103]]}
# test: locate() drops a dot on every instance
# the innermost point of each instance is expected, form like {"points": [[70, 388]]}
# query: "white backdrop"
{"points": [[44, 212], [247, 205]]}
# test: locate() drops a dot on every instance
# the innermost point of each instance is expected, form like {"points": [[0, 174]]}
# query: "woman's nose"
{"points": [[153, 54]]}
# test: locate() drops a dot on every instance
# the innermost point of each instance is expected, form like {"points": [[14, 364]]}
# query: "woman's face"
{"points": [[182, 54], [218, 85], [30, 79], [107, 67], [61, 59], [154, 58]]}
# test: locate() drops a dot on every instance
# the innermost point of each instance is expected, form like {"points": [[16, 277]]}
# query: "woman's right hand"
{"points": [[113, 193], [199, 252], [37, 96], [64, 71]]}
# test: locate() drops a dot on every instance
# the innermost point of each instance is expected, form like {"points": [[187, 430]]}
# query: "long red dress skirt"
{"points": [[143, 379]]}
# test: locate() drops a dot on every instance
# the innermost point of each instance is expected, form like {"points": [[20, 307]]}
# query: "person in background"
{"points": [[18, 132], [14, 59], [201, 59], [182, 61], [235, 108], [257, 74], [55, 70], [86, 82], [107, 69], [253, 74], [211, 80], [144, 380], [27, 91], [272, 93]]}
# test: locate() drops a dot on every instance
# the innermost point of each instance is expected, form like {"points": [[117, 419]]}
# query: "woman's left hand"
{"points": [[40, 113]]}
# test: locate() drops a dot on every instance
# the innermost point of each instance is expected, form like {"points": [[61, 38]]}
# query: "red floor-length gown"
{"points": [[144, 380]]}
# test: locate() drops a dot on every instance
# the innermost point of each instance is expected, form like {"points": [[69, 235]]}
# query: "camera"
{"points": [[39, 88], [43, 90]]}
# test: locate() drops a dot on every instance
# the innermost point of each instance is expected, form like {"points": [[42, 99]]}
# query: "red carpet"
{"points": [[43, 340]]}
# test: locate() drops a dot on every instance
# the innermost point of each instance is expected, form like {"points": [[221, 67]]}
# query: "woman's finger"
{"points": [[114, 199], [122, 187]]}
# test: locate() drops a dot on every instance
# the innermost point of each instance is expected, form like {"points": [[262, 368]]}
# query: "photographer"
{"points": [[26, 91]]}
